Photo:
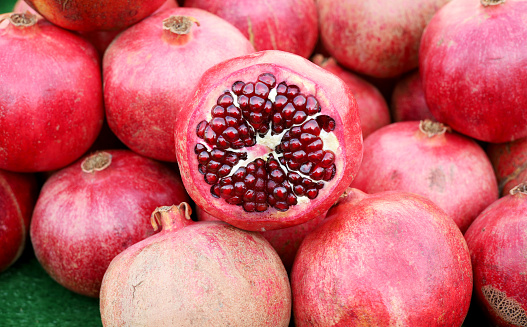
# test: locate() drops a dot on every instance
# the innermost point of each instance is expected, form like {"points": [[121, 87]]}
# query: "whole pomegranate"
{"points": [[472, 65], [377, 37], [287, 25], [92, 210], [269, 140], [510, 163], [497, 244], [94, 15], [166, 54], [51, 106], [196, 274], [18, 193], [386, 259], [408, 99]]}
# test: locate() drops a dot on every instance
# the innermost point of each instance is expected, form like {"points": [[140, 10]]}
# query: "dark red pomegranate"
{"points": [[92, 210], [18, 193], [51, 106], [373, 110], [424, 158], [510, 163], [196, 274], [377, 38], [94, 15], [472, 64], [386, 259], [498, 243], [166, 54], [408, 99], [269, 140], [287, 25]]}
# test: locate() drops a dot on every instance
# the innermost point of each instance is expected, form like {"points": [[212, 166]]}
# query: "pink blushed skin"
{"points": [[83, 219], [497, 243], [196, 274], [287, 25], [408, 99], [51, 107], [464, 36], [336, 101], [510, 163], [450, 169], [373, 110], [18, 193], [386, 259], [149, 73], [378, 38]]}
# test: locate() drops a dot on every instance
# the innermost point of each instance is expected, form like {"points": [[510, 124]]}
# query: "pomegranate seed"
{"points": [[311, 127], [280, 193], [200, 129], [215, 190], [260, 184], [226, 181], [291, 199], [312, 193], [294, 178], [296, 131], [251, 168], [224, 170], [218, 111], [295, 145], [240, 174], [209, 135], [330, 173], [279, 102], [248, 89], [213, 166], [231, 121], [237, 87], [261, 197], [317, 173], [243, 102], [261, 207], [315, 145], [199, 148], [218, 124], [233, 112], [226, 191], [222, 143], [267, 79], [234, 200], [299, 156], [261, 90], [249, 206], [327, 123], [240, 188], [312, 106], [289, 111], [299, 117], [281, 206], [281, 88], [249, 196], [328, 159], [202, 169], [292, 91], [305, 168], [203, 157], [231, 134], [250, 180], [257, 104], [225, 100], [211, 178], [300, 102], [277, 175], [299, 190]]}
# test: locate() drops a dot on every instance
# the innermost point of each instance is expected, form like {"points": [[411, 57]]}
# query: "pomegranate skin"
{"points": [[95, 15], [18, 193], [204, 274], [139, 110], [386, 259], [286, 25], [378, 38], [510, 163], [497, 244], [408, 99], [462, 38], [98, 214], [334, 100], [51, 107], [448, 168], [373, 110]]}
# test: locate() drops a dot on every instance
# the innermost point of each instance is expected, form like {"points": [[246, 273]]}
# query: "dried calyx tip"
{"points": [[432, 128], [96, 162], [23, 19], [521, 188], [179, 24], [491, 2], [164, 216]]}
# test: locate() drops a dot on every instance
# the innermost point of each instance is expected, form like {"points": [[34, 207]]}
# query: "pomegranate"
{"points": [[386, 259], [378, 38], [287, 25], [422, 157], [98, 207], [373, 110], [166, 54], [269, 140], [196, 274], [510, 163], [18, 193], [95, 15], [408, 99], [51, 106], [497, 244], [462, 38]]}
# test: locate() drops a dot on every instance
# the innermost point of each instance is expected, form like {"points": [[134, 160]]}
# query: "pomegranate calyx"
{"points": [[432, 128], [172, 217], [487, 3], [180, 25], [520, 188], [96, 162], [23, 19]]}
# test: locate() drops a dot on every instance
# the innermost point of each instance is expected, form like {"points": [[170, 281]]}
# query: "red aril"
{"points": [[510, 163], [166, 54], [497, 243], [472, 65], [92, 210], [51, 105], [287, 25], [196, 274], [408, 99], [424, 158], [269, 140]]}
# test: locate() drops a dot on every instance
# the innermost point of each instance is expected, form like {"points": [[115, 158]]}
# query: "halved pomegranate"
{"points": [[269, 140]]}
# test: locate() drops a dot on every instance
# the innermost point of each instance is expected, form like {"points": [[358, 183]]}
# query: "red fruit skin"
{"points": [[449, 169], [83, 220], [497, 244], [95, 15], [18, 193], [51, 107], [377, 38], [287, 25], [386, 259], [166, 68], [408, 99], [455, 85], [373, 110], [510, 163], [336, 100]]}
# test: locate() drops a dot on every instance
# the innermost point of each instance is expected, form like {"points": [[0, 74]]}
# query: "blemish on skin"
{"points": [[505, 307]]}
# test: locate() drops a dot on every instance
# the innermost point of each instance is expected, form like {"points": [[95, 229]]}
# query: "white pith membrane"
{"points": [[270, 141]]}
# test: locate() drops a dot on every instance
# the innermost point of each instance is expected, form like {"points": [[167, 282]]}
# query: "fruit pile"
{"points": [[264, 163]]}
